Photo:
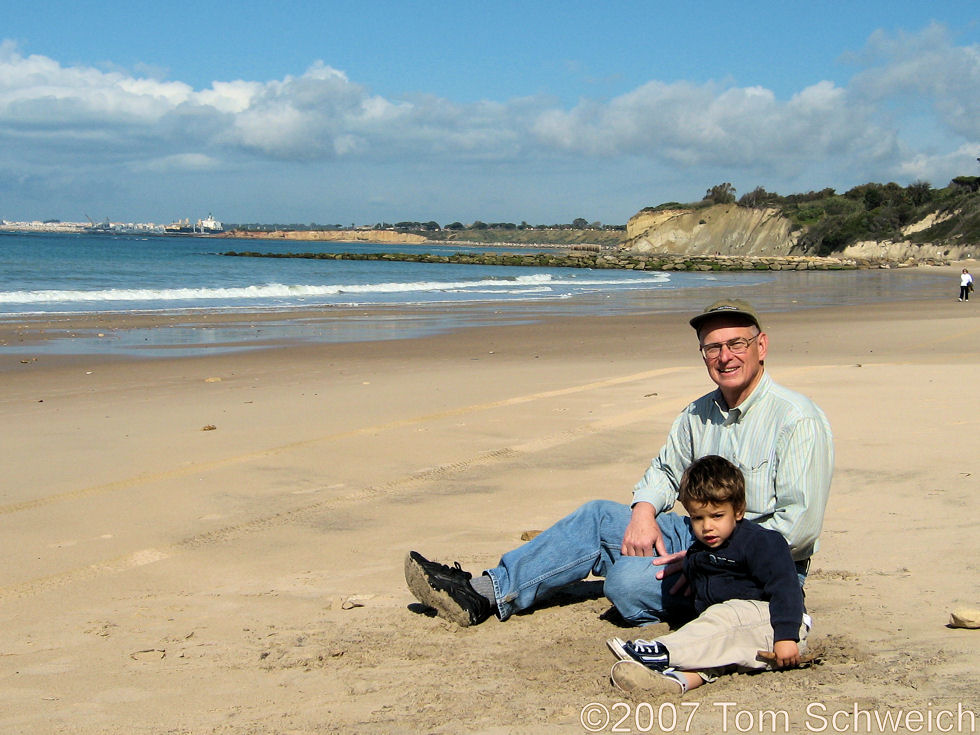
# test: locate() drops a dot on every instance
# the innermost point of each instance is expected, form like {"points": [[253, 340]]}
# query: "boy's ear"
{"points": [[739, 514]]}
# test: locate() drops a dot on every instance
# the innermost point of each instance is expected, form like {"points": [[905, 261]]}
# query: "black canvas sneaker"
{"points": [[446, 589], [651, 654]]}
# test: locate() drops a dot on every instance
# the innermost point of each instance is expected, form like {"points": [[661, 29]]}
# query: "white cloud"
{"points": [[911, 110], [232, 97], [178, 162], [33, 87], [709, 125], [920, 69], [319, 114], [942, 167]]}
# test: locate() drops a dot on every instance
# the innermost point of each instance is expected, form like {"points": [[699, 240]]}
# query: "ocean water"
{"points": [[64, 274], [55, 276]]}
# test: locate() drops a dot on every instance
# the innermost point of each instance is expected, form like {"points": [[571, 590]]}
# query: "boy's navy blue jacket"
{"points": [[754, 563]]}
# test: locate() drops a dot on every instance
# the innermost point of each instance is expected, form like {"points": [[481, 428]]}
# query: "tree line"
{"points": [[430, 226]]}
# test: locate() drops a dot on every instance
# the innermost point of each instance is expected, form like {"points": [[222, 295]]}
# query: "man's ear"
{"points": [[763, 342]]}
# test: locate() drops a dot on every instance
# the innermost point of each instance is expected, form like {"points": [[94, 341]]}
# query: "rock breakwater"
{"points": [[620, 260]]}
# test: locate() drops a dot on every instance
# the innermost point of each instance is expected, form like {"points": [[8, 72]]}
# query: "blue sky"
{"points": [[536, 111]]}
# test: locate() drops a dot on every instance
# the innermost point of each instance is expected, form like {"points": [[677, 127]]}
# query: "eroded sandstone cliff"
{"points": [[723, 229], [726, 229]]}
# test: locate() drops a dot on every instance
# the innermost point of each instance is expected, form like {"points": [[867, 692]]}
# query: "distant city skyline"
{"points": [[542, 112]]}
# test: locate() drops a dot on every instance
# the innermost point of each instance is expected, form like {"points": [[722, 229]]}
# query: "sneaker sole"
{"points": [[632, 676], [441, 602], [616, 646]]}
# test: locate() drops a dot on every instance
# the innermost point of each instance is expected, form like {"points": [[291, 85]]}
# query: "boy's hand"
{"points": [[787, 653], [673, 563]]}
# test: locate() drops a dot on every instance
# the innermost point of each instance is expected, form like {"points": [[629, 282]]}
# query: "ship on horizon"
{"points": [[207, 226]]}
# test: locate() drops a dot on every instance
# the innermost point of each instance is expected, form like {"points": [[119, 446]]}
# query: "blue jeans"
{"points": [[588, 541]]}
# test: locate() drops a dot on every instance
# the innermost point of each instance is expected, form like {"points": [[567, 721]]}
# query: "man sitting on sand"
{"points": [[746, 592], [778, 438]]}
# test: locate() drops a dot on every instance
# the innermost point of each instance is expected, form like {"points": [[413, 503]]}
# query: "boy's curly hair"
{"points": [[713, 479]]}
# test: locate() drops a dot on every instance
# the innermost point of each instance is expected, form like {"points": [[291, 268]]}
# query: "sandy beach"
{"points": [[214, 544]]}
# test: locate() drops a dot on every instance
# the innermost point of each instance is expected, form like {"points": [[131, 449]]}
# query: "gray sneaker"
{"points": [[631, 676]]}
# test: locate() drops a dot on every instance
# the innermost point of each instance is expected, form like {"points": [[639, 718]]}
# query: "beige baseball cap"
{"points": [[725, 307]]}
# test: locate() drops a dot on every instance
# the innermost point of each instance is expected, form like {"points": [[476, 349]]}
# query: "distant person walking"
{"points": [[966, 285]]}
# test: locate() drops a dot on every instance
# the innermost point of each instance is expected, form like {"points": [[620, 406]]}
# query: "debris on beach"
{"points": [[348, 602], [965, 617], [148, 653]]}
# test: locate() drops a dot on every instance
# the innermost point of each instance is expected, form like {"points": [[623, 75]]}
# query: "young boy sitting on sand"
{"points": [[746, 591]]}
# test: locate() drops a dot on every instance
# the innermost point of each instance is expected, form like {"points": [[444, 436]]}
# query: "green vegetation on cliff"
{"points": [[878, 212]]}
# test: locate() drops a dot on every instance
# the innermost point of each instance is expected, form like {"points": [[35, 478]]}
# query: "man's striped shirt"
{"points": [[779, 439]]}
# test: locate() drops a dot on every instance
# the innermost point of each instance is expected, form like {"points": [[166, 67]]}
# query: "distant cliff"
{"points": [[875, 221], [379, 236], [724, 229], [727, 229]]}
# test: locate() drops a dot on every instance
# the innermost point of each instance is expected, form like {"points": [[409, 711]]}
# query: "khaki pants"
{"points": [[727, 634]]}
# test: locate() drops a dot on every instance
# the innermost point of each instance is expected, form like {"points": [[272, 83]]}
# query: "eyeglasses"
{"points": [[737, 346]]}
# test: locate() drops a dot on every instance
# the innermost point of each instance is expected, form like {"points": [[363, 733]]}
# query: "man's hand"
{"points": [[787, 653], [643, 535]]}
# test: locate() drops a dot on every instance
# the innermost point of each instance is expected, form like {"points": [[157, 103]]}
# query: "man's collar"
{"points": [[761, 388]]}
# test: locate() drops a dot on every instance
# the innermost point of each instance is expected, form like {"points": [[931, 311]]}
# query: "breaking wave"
{"points": [[535, 283]]}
